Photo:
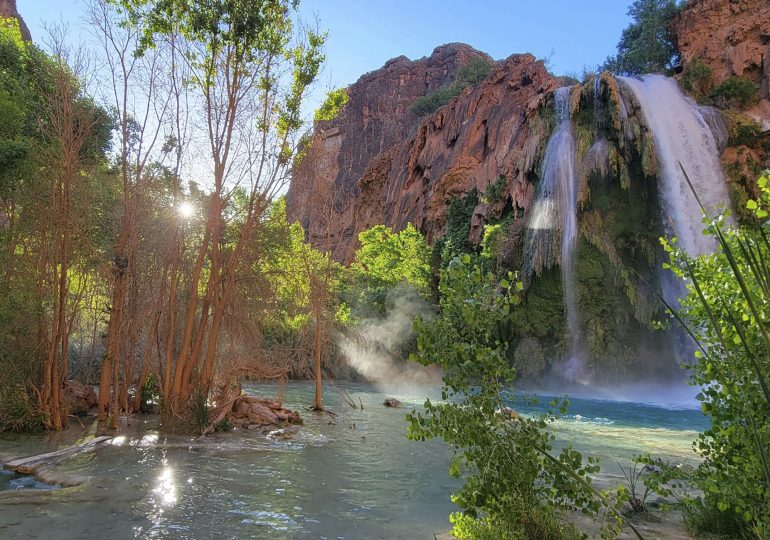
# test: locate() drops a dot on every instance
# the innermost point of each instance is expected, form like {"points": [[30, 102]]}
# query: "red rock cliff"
{"points": [[8, 9], [380, 163], [732, 37]]}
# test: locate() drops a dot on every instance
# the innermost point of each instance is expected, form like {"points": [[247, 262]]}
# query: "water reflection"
{"points": [[166, 488]]}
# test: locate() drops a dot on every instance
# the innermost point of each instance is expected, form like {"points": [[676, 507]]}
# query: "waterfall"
{"points": [[682, 135], [554, 214]]}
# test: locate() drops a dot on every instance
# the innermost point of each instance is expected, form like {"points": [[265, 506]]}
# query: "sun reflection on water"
{"points": [[166, 488]]}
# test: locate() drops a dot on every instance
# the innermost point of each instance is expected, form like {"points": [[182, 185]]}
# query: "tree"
{"points": [[513, 484], [139, 106], [384, 259], [239, 53], [648, 44], [726, 313], [53, 146]]}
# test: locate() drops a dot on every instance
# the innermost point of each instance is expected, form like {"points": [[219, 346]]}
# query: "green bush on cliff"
{"points": [[430, 102], [330, 108], [696, 79], [735, 93], [458, 220], [648, 44], [469, 75]]}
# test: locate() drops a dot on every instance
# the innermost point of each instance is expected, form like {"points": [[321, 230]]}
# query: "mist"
{"points": [[377, 348]]}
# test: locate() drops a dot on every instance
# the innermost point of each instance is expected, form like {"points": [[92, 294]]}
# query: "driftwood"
{"points": [[30, 464]]}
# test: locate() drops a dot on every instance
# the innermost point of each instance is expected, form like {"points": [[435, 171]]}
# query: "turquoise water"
{"points": [[349, 476]]}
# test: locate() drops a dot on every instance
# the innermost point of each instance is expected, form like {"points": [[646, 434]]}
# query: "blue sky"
{"points": [[364, 34]]}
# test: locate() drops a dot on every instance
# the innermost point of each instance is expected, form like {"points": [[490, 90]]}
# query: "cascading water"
{"points": [[682, 135], [555, 211]]}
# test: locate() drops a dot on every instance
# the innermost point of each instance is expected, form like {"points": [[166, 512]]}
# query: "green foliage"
{"points": [[648, 44], [725, 311], [430, 102], [386, 259], [335, 100], [736, 93], [696, 79], [150, 395], [743, 131], [494, 190], [458, 220], [513, 486], [469, 75], [475, 71]]}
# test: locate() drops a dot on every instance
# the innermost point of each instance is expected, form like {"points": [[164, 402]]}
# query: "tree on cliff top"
{"points": [[648, 44]]}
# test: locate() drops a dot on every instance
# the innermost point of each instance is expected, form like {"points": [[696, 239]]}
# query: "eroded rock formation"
{"points": [[8, 9], [732, 37], [384, 164]]}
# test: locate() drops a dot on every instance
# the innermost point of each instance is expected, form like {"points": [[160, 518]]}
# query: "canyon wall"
{"points": [[385, 164]]}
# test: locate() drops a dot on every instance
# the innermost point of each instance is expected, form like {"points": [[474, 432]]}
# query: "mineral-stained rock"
{"points": [[252, 412], [7, 10], [80, 398], [730, 36], [384, 164]]}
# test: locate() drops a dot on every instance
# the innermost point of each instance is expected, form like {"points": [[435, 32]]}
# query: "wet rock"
{"points": [[251, 412], [392, 402], [80, 398]]}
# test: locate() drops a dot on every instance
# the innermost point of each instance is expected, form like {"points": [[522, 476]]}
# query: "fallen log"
{"points": [[29, 465]]}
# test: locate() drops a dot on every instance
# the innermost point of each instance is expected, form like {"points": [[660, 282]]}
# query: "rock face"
{"points": [[732, 37], [8, 9], [381, 163]]}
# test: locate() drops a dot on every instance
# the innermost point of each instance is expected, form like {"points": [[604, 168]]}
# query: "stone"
{"points": [[252, 412], [80, 398], [393, 402]]}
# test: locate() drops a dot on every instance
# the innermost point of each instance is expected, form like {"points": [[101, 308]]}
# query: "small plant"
{"points": [[735, 92], [633, 475], [494, 190], [430, 102], [469, 75], [475, 71], [696, 79]]}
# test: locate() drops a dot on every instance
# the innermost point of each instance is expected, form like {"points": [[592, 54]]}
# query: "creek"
{"points": [[350, 476]]}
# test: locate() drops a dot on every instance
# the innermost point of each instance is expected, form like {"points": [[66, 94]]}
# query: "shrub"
{"points": [[736, 93], [725, 313], [475, 71], [335, 100], [458, 220], [469, 75], [514, 485], [696, 79], [430, 102]]}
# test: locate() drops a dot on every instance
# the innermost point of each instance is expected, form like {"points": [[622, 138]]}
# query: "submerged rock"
{"points": [[392, 402], [251, 412]]}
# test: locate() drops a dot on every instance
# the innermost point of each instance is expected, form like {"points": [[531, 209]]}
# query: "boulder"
{"points": [[252, 412], [80, 398], [392, 402]]}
